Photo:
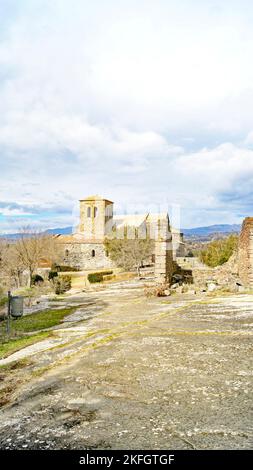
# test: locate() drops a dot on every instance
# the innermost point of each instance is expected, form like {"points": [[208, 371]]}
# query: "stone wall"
{"points": [[163, 252], [245, 253], [80, 255], [178, 245]]}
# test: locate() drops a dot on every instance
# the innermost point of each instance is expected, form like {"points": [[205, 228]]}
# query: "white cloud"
{"points": [[158, 67], [249, 139], [8, 212], [147, 101]]}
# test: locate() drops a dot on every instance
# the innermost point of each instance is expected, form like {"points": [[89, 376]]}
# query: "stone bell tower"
{"points": [[96, 217]]}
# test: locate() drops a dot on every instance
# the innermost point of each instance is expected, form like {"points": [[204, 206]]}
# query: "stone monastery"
{"points": [[85, 248]]}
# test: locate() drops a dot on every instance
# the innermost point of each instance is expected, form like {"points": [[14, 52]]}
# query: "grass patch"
{"points": [[40, 320], [247, 292], [33, 323], [16, 344]]}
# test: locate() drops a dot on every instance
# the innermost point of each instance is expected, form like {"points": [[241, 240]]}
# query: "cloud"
{"points": [[144, 102], [14, 213], [160, 67]]}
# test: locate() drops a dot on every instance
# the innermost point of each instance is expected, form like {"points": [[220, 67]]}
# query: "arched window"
{"points": [[88, 212], [95, 211], [93, 254], [66, 252]]}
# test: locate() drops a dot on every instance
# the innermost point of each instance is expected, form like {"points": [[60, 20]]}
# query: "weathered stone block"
{"points": [[245, 253]]}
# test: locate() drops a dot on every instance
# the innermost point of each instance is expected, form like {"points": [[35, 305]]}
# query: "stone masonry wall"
{"points": [[95, 227], [163, 252], [80, 255], [245, 253]]}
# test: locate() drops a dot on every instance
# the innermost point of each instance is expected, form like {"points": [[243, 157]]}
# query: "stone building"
{"points": [[85, 248], [245, 253]]}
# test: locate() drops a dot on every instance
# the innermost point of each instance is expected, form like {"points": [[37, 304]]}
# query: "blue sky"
{"points": [[149, 103]]}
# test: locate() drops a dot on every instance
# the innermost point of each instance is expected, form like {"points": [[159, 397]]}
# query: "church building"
{"points": [[85, 248]]}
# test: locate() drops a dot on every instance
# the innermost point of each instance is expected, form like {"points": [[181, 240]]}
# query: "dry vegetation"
{"points": [[129, 254], [21, 258], [218, 252]]}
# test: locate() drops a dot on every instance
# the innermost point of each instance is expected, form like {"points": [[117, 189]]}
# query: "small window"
{"points": [[93, 254], [66, 252], [95, 211], [88, 212]]}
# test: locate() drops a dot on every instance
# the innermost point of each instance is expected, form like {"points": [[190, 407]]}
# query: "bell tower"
{"points": [[96, 217]]}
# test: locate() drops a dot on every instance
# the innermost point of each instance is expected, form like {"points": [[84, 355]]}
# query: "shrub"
{"points": [[63, 268], [218, 252], [36, 279], [62, 284], [98, 277], [52, 275], [95, 277], [161, 290]]}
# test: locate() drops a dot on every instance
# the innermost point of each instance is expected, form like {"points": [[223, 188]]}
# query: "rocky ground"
{"points": [[127, 371]]}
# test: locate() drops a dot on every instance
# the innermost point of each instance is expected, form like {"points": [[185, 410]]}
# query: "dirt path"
{"points": [[138, 373]]}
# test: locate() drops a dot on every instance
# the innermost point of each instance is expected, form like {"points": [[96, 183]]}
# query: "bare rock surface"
{"points": [[137, 373]]}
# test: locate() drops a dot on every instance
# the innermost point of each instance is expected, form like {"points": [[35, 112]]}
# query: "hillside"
{"points": [[191, 233]]}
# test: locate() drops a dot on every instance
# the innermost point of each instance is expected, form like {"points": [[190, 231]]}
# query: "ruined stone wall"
{"points": [[245, 253], [178, 245], [163, 252], [79, 255]]}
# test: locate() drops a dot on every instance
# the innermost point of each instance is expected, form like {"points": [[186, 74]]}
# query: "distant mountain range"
{"points": [[195, 232], [62, 231], [211, 229], [188, 232], [52, 231]]}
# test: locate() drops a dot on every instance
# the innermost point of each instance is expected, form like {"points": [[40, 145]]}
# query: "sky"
{"points": [[147, 103]]}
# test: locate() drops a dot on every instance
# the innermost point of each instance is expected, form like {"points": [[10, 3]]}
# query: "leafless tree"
{"points": [[26, 254], [32, 247], [129, 253], [11, 267]]}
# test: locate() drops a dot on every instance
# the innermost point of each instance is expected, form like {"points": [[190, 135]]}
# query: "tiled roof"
{"points": [[74, 239], [130, 220], [158, 216]]}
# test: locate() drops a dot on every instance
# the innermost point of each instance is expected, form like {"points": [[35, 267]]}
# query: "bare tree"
{"points": [[129, 254], [11, 267], [32, 247]]}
